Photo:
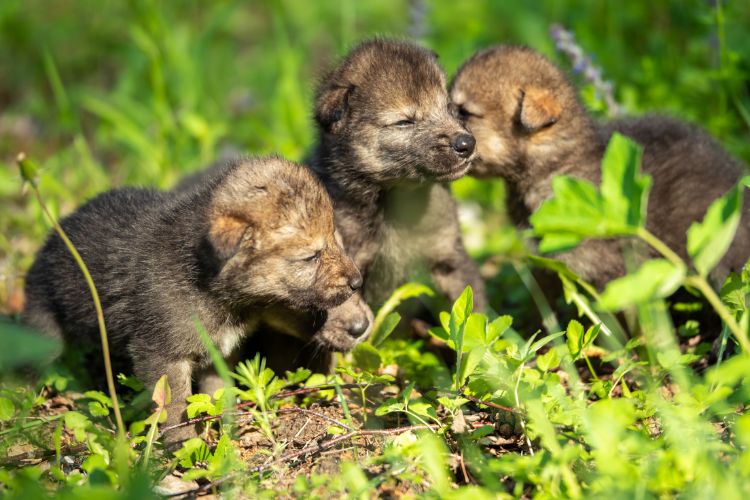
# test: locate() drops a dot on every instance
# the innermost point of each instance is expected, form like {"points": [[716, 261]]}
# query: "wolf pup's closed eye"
{"points": [[388, 141], [254, 234], [530, 126]]}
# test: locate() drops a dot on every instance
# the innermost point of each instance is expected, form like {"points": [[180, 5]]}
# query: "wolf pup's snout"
{"points": [[355, 280], [358, 327], [463, 144]]}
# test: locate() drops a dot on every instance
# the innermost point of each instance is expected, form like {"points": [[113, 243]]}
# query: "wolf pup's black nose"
{"points": [[358, 328], [355, 281], [463, 145]]}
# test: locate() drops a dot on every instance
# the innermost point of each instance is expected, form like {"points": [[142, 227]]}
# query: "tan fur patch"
{"points": [[539, 108], [226, 232]]}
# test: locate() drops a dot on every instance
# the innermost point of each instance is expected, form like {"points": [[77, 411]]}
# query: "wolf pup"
{"points": [[530, 126], [291, 338], [387, 145], [258, 233]]}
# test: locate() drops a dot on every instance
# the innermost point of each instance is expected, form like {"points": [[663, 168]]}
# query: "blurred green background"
{"points": [[141, 91]]}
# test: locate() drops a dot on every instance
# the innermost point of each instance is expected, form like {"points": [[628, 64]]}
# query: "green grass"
{"points": [[141, 92]]}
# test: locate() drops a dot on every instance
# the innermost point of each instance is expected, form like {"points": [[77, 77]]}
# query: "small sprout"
{"points": [[29, 170]]}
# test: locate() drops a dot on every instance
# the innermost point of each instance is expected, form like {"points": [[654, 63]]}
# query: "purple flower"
{"points": [[582, 64]]}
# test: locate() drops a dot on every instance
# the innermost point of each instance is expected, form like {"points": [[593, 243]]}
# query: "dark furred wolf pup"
{"points": [[530, 126], [388, 143], [291, 338], [258, 233]]}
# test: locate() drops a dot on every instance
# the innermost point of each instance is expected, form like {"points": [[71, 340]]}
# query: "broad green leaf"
{"points": [[544, 341], [422, 408], [367, 357], [434, 460], [574, 338], [385, 329], [193, 450], [590, 335], [708, 240], [548, 361], [24, 346], [297, 377], [734, 293], [402, 293], [606, 421], [497, 328], [469, 363], [655, 279], [100, 397], [78, 423], [475, 332], [553, 265], [441, 334], [7, 409], [578, 210], [559, 242], [459, 314], [624, 190], [200, 403], [97, 409], [390, 405]]}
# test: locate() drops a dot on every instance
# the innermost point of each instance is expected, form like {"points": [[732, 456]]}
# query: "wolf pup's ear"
{"points": [[332, 106], [226, 233], [538, 109]]}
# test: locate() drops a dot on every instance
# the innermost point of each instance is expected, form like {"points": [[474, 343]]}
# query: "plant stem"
{"points": [[97, 306], [705, 288], [660, 246], [701, 284], [518, 404], [549, 320], [589, 313]]}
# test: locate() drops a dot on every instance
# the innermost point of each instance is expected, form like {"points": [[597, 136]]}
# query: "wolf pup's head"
{"points": [[271, 226], [522, 110], [385, 117]]}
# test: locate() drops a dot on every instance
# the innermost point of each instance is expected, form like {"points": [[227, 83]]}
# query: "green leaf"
{"points": [[544, 341], [734, 293], [100, 397], [708, 240], [548, 361], [422, 408], [578, 210], [97, 409], [475, 332], [434, 460], [297, 377], [469, 364], [497, 328], [655, 279], [590, 335], [624, 190], [24, 346], [200, 403], [367, 357], [76, 422], [192, 451], [574, 338], [459, 314], [386, 328], [390, 405], [7, 409], [402, 293]]}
